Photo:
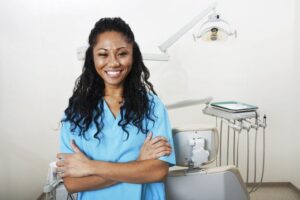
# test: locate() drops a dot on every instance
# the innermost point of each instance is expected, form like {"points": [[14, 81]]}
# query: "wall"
{"points": [[296, 136], [38, 68]]}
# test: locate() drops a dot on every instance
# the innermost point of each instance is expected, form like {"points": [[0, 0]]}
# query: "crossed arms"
{"points": [[81, 174]]}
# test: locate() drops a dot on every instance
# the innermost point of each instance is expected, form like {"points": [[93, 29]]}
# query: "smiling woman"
{"points": [[112, 58], [107, 149]]}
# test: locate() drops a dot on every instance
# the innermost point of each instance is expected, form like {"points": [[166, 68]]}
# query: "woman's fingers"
{"points": [[74, 164], [154, 148], [161, 144], [61, 172], [149, 137], [75, 147], [162, 149], [60, 163], [157, 139], [163, 153], [61, 156]]}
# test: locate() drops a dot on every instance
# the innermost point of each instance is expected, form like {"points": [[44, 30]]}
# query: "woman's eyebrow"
{"points": [[101, 48]]}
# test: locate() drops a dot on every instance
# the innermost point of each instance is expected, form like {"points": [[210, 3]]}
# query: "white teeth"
{"points": [[113, 74]]}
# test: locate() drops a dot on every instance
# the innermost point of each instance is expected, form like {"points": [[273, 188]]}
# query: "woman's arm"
{"points": [[79, 184], [145, 171], [151, 149], [134, 172], [113, 173]]}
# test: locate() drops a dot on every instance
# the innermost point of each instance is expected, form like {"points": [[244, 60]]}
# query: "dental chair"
{"points": [[192, 179]]}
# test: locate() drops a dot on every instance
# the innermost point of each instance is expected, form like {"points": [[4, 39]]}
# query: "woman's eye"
{"points": [[102, 54], [123, 54]]}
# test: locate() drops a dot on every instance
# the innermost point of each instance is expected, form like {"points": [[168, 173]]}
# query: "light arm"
{"points": [[192, 102], [169, 42], [164, 46]]}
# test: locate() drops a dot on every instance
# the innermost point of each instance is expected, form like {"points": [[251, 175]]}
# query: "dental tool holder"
{"points": [[209, 110], [239, 122]]}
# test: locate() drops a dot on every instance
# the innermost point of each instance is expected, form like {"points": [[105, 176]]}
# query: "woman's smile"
{"points": [[114, 73]]}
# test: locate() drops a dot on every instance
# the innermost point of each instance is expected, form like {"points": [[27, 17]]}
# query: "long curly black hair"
{"points": [[86, 103]]}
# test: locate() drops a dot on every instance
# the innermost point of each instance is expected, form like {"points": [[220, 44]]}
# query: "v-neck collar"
{"points": [[110, 113]]}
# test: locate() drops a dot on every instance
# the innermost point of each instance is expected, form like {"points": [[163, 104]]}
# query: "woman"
{"points": [[107, 150]]}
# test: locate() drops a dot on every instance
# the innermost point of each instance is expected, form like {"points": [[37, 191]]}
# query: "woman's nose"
{"points": [[113, 61]]}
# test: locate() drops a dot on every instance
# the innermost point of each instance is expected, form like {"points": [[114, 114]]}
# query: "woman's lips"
{"points": [[113, 73]]}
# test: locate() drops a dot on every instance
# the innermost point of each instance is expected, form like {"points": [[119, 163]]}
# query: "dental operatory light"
{"points": [[214, 29]]}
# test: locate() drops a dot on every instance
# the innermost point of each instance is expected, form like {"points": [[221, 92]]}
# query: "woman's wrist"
{"points": [[95, 166], [91, 168]]}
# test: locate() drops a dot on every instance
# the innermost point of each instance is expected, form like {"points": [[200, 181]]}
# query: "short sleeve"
{"points": [[65, 137], [162, 127]]}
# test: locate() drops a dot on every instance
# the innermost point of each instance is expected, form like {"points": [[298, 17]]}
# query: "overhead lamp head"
{"points": [[215, 29]]}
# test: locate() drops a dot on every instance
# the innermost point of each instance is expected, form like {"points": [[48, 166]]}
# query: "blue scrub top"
{"points": [[114, 147]]}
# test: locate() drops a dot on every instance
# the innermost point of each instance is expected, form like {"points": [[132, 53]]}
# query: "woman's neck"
{"points": [[113, 92], [114, 99]]}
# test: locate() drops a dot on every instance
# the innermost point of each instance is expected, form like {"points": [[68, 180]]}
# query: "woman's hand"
{"points": [[154, 148], [73, 165]]}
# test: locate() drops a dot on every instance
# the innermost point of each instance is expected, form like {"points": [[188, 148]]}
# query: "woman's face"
{"points": [[113, 58]]}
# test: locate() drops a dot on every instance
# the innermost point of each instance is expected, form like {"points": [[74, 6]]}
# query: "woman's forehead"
{"points": [[111, 40]]}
